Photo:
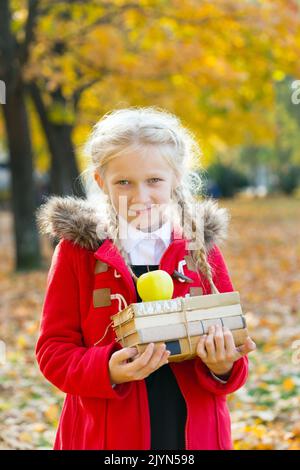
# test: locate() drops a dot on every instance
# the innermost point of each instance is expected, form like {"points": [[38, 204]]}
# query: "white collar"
{"points": [[135, 236]]}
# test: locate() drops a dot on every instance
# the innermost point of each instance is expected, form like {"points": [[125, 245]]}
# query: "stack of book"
{"points": [[179, 322]]}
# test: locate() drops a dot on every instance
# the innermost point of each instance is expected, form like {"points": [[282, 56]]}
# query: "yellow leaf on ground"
{"points": [[25, 437], [52, 413], [288, 384]]}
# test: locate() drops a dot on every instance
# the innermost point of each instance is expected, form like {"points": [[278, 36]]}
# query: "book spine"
{"points": [[212, 300], [170, 319], [184, 349], [180, 330]]}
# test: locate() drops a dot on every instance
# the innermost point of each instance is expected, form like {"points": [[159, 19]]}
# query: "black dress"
{"points": [[166, 402]]}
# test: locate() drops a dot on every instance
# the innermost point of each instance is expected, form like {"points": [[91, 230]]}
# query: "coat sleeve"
{"points": [[239, 372], [60, 351]]}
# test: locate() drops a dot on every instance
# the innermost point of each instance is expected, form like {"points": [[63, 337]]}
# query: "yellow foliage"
{"points": [[52, 413], [288, 384], [278, 75], [22, 341], [25, 437]]}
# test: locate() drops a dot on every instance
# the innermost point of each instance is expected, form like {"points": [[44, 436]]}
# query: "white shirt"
{"points": [[144, 247]]}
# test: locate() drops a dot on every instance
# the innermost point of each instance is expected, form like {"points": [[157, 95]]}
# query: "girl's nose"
{"points": [[140, 196]]}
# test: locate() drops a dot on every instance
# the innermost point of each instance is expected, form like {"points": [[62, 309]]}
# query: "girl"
{"points": [[132, 222]]}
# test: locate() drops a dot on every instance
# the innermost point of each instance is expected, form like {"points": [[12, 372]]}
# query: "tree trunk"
{"points": [[23, 186], [64, 173]]}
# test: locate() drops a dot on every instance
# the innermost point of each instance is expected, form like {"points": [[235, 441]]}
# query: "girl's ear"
{"points": [[99, 180]]}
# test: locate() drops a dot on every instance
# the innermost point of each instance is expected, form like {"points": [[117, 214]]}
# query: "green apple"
{"points": [[155, 285]]}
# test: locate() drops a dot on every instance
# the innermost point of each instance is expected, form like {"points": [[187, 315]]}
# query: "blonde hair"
{"points": [[137, 127]]}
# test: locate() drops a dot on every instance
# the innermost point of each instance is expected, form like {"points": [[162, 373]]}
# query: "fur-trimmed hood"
{"points": [[79, 220]]}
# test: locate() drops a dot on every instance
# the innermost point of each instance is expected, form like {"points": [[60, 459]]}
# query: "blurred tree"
{"points": [[289, 178], [229, 180], [58, 128], [219, 59], [13, 57]]}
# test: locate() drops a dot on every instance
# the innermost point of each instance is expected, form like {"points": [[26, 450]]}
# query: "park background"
{"points": [[229, 69]]}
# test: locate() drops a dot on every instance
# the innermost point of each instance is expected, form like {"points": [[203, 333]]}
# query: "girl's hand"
{"points": [[217, 349], [152, 358]]}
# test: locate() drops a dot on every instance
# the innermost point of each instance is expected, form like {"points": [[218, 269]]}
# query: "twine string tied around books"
{"points": [[183, 308], [105, 333]]}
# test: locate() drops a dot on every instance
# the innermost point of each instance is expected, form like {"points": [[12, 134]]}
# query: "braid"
{"points": [[205, 267], [193, 229]]}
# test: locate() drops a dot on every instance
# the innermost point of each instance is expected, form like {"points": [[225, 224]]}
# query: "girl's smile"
{"points": [[136, 211]]}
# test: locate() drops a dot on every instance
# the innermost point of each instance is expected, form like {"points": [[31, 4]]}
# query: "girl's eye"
{"points": [[151, 180], [155, 180]]}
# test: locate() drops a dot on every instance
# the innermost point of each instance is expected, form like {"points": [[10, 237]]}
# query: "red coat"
{"points": [[95, 415]]}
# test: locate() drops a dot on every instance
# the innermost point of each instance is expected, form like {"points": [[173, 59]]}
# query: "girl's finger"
{"points": [[144, 358], [164, 359], [246, 348], [210, 345], [156, 358], [230, 349], [201, 351], [149, 369], [219, 343], [150, 361], [126, 354]]}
